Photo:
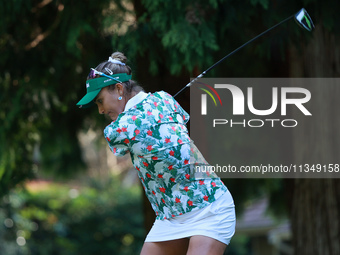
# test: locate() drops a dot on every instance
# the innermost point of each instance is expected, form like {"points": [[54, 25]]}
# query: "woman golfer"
{"points": [[194, 209]]}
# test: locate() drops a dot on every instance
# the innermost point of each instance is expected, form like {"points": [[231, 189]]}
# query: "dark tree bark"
{"points": [[315, 211]]}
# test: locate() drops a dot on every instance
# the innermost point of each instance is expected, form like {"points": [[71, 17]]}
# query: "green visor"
{"points": [[94, 86]]}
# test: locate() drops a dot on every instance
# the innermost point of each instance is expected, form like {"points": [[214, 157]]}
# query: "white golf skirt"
{"points": [[216, 220]]}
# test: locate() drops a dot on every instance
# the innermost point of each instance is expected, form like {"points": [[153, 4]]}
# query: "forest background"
{"points": [[47, 48]]}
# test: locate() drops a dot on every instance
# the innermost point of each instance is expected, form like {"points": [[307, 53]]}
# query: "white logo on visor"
{"points": [[116, 78]]}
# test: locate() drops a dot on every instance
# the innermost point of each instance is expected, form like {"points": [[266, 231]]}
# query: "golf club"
{"points": [[301, 17]]}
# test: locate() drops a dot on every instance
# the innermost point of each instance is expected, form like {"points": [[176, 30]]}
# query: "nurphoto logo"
{"points": [[281, 99], [204, 97]]}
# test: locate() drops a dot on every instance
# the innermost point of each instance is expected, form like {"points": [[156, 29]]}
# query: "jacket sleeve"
{"points": [[117, 139], [177, 107]]}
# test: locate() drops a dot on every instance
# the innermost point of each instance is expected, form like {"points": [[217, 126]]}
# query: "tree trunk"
{"points": [[315, 217], [315, 210]]}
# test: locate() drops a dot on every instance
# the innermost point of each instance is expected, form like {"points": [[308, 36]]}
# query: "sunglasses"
{"points": [[93, 74]]}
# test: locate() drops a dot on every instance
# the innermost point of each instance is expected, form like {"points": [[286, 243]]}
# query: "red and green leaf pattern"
{"points": [[155, 134]]}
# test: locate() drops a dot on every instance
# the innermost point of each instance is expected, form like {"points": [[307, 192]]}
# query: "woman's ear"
{"points": [[120, 89]]}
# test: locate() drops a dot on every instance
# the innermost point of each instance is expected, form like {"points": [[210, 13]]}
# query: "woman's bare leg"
{"points": [[173, 247], [204, 245]]}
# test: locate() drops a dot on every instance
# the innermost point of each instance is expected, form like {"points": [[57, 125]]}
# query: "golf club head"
{"points": [[304, 20]]}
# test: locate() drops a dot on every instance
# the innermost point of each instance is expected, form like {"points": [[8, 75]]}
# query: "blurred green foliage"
{"points": [[102, 217], [47, 48], [44, 49]]}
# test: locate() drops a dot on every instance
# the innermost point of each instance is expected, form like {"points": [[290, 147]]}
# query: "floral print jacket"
{"points": [[153, 131]]}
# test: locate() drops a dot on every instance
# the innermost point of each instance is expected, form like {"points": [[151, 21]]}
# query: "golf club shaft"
{"points": [[231, 53]]}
